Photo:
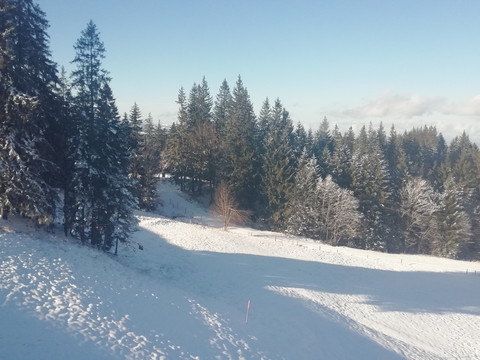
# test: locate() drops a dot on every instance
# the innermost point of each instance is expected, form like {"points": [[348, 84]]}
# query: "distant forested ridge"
{"points": [[62, 134]]}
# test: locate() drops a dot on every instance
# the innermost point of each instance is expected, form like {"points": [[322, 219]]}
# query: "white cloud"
{"points": [[467, 108], [390, 104], [406, 111]]}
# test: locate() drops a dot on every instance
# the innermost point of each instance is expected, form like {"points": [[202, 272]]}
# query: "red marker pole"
{"points": [[248, 309]]}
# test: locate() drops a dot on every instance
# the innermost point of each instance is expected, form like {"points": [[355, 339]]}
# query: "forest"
{"points": [[66, 153]]}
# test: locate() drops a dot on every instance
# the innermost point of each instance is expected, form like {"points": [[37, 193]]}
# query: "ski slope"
{"points": [[185, 296]]}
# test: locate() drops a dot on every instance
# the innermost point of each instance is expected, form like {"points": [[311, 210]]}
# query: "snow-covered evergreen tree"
{"points": [[454, 224], [278, 165], [302, 210], [323, 140], [338, 218], [135, 121], [27, 112], [99, 147], [341, 159], [241, 149], [115, 200], [150, 165], [222, 111], [371, 187], [320, 209], [418, 210]]}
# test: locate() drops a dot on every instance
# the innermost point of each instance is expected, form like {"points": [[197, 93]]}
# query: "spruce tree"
{"points": [[100, 185], [453, 222], [178, 150], [418, 210], [241, 149], [263, 125], [222, 109], [337, 217], [370, 183], [302, 205], [201, 138], [322, 141], [222, 112], [135, 141], [28, 109], [278, 165], [114, 213], [301, 142], [341, 159]]}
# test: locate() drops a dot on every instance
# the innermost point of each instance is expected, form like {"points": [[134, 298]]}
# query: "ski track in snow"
{"points": [[185, 296]]}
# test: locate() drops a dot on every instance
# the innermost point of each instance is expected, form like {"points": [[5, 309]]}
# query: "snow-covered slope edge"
{"points": [[185, 297]]}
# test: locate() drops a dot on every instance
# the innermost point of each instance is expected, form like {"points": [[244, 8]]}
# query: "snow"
{"points": [[185, 296]]}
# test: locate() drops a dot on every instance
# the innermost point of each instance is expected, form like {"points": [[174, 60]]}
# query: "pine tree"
{"points": [[337, 217], [193, 148], [100, 185], [114, 213], [221, 114], [322, 140], [302, 203], [397, 170], [341, 159], [418, 210], [199, 109], [263, 126], [149, 166], [301, 142], [28, 110], [178, 153], [370, 183], [396, 162], [67, 165], [278, 165], [241, 149], [201, 137], [453, 222], [135, 141], [222, 109], [462, 165]]}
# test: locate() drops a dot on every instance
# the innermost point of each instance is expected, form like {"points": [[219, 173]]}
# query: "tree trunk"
{"points": [[5, 210]]}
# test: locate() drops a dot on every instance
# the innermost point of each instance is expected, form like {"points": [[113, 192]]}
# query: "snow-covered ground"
{"points": [[185, 296]]}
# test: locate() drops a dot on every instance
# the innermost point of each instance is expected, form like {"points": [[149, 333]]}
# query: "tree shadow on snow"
{"points": [[294, 327]]}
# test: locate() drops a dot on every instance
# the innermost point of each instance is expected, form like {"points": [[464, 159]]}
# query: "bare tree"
{"points": [[225, 206]]}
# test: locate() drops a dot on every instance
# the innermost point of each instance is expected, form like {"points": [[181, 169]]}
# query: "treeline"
{"points": [[409, 192]]}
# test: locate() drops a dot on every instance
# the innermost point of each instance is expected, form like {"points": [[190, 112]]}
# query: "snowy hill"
{"points": [[185, 296]]}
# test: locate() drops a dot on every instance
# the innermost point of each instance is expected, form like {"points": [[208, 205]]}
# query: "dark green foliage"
{"points": [[100, 191], [323, 146], [28, 112], [191, 152], [277, 165], [370, 183], [341, 159], [302, 204], [241, 149], [454, 223]]}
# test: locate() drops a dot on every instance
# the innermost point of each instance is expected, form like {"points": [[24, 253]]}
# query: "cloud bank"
{"points": [[393, 105], [467, 108]]}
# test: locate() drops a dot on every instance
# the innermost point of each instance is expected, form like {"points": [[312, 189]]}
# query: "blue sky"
{"points": [[410, 63]]}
